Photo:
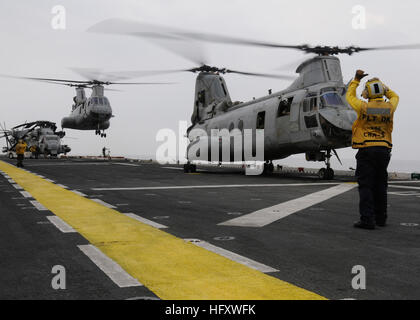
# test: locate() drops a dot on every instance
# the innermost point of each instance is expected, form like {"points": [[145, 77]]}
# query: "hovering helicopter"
{"points": [[40, 136], [311, 116], [88, 113]]}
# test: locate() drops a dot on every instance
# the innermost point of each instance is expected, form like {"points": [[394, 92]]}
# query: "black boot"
{"points": [[363, 225]]}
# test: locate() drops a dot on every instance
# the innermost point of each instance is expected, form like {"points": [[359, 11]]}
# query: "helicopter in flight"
{"points": [[309, 117], [41, 137], [88, 113]]}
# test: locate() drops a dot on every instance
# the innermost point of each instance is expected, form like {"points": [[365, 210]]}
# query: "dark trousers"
{"points": [[372, 176], [20, 158]]}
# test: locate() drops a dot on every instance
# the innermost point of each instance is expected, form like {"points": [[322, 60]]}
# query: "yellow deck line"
{"points": [[168, 266]]}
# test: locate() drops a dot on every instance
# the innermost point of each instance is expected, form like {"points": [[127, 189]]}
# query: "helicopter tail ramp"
{"points": [[169, 266]]}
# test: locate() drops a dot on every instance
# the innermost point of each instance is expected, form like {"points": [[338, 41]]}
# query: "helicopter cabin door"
{"points": [[283, 119], [295, 111]]}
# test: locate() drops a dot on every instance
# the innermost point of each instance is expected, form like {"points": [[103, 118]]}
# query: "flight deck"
{"points": [[137, 230]]}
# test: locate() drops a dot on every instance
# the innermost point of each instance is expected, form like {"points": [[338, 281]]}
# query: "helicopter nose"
{"points": [[101, 114], [342, 119]]}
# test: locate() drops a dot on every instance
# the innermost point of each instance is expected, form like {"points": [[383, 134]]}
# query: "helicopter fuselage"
{"points": [[308, 120], [311, 116], [93, 113]]}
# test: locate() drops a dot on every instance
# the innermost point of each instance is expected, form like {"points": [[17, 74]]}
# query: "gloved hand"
{"points": [[360, 74]]}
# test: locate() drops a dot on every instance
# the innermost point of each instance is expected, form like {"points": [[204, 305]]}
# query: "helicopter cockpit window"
{"points": [[331, 99], [106, 102]]}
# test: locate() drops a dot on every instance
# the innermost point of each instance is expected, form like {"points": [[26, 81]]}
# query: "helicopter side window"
{"points": [[284, 107], [309, 104], [241, 125], [306, 104], [261, 120], [106, 102], [313, 105]]}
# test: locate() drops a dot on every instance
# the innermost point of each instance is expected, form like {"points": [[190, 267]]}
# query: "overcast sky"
{"points": [[31, 47]]}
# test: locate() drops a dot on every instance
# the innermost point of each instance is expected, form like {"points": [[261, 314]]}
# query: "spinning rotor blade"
{"points": [[44, 79], [398, 47], [264, 75], [120, 26], [135, 74], [162, 36]]}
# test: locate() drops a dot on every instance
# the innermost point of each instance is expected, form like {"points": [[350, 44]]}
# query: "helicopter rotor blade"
{"points": [[397, 47], [45, 79], [133, 28], [164, 37], [264, 75]]}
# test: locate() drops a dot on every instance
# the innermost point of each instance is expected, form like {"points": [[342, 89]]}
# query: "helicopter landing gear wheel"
{"points": [[11, 156], [268, 167], [327, 173], [190, 168]]}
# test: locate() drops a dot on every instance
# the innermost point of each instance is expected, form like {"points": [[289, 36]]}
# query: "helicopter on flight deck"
{"points": [[311, 116], [88, 113]]}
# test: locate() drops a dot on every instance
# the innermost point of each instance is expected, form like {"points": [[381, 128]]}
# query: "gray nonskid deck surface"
{"points": [[314, 248]]}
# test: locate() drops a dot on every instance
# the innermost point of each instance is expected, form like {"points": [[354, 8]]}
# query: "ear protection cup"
{"points": [[374, 88]]}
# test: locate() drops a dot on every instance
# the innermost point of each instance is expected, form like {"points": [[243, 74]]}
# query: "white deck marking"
{"points": [[128, 164], [49, 180], [232, 256], [37, 205], [217, 186], [269, 215], [26, 194], [404, 187], [109, 267], [60, 224], [16, 186], [104, 203], [173, 168], [409, 181], [62, 186], [79, 193], [146, 221], [11, 181]]}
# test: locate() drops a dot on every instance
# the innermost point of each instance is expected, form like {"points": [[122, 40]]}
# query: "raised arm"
{"points": [[351, 97], [393, 98]]}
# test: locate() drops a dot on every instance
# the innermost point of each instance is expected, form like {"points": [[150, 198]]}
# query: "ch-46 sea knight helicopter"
{"points": [[41, 137], [311, 116], [88, 113]]}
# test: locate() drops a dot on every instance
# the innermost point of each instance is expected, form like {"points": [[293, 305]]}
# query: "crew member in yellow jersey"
{"points": [[372, 136], [20, 152]]}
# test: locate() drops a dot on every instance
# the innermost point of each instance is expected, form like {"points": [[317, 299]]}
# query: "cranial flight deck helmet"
{"points": [[374, 89]]}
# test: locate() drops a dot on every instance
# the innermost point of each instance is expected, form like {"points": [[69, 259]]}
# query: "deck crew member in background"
{"points": [[372, 136], [20, 152]]}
